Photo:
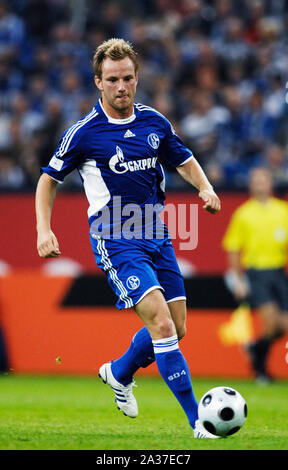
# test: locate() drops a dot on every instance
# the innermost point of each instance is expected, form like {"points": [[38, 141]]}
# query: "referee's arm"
{"points": [[240, 287], [233, 242], [47, 244]]}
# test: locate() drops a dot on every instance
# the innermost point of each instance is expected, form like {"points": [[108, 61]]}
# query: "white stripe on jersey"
{"points": [[144, 107], [72, 131], [96, 190]]}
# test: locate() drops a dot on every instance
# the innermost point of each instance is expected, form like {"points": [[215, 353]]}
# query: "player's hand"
{"points": [[212, 201], [47, 245]]}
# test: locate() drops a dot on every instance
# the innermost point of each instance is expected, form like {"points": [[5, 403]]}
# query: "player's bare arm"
{"points": [[193, 173], [47, 244]]}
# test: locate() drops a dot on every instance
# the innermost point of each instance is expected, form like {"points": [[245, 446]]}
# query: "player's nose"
{"points": [[121, 85]]}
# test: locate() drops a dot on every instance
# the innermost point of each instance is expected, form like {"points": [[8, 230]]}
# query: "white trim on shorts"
{"points": [[182, 297], [147, 292]]}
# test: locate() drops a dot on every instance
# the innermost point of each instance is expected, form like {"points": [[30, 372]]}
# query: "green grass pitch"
{"points": [[79, 413]]}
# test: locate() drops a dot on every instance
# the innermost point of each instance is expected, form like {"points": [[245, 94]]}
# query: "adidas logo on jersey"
{"points": [[128, 134]]}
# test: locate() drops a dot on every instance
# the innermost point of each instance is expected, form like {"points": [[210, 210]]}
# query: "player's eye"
{"points": [[111, 79]]}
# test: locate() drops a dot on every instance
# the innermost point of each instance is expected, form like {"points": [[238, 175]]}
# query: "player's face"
{"points": [[118, 86]]}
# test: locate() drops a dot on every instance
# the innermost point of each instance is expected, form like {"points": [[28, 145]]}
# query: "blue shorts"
{"points": [[136, 267]]}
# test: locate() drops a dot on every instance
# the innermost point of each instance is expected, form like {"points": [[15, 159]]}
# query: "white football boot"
{"points": [[124, 397], [201, 433]]}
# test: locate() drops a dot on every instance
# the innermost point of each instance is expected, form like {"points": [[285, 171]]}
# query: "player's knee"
{"points": [[165, 327]]}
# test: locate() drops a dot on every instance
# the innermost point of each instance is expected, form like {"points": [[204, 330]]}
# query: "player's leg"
{"points": [[178, 313], [119, 373], [140, 352], [155, 313], [131, 274]]}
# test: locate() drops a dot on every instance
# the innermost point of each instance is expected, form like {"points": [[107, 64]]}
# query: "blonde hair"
{"points": [[115, 49]]}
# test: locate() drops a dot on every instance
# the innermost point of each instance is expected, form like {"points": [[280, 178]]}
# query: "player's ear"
{"points": [[98, 83]]}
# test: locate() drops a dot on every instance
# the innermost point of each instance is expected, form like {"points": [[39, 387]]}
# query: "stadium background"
{"points": [[218, 71]]}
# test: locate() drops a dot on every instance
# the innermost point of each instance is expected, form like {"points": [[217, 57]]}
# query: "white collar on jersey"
{"points": [[118, 121]]}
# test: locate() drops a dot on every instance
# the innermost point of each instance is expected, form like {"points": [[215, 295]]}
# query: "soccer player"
{"points": [[117, 149], [256, 241]]}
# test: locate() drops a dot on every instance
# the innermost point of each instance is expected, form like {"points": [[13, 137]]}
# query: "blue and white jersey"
{"points": [[119, 158]]}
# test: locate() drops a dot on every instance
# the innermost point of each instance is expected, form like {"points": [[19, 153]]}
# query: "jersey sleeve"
{"points": [[233, 238], [173, 151], [67, 156]]}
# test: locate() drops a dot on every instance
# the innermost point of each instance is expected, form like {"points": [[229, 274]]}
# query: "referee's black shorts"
{"points": [[268, 285]]}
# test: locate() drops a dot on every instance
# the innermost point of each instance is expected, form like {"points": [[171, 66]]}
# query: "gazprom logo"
{"points": [[118, 164]]}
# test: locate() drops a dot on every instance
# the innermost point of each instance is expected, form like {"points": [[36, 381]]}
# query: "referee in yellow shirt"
{"points": [[256, 242]]}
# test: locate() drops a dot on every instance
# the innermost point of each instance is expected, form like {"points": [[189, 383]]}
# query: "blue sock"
{"points": [[174, 370], [139, 354]]}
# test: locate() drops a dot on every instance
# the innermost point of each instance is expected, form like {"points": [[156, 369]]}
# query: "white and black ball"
{"points": [[222, 411]]}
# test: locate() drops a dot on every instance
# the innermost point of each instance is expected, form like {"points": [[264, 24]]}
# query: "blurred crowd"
{"points": [[217, 69]]}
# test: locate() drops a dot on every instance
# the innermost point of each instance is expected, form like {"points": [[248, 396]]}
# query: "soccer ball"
{"points": [[222, 411]]}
